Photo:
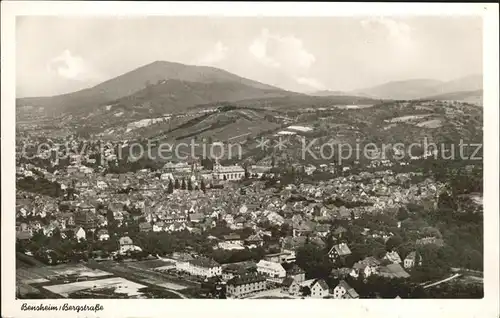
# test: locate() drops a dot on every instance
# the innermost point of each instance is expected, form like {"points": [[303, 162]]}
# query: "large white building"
{"points": [[242, 285], [233, 172], [201, 266], [271, 269], [127, 245], [177, 167]]}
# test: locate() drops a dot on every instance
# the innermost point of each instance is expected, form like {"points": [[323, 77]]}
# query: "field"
{"points": [[407, 118], [150, 264], [46, 273], [144, 272], [121, 286], [107, 280], [32, 276], [433, 123]]}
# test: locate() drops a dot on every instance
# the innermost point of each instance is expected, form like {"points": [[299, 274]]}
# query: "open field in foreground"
{"points": [[121, 286]]}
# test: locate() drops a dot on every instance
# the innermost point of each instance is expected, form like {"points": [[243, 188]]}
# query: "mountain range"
{"points": [[418, 89], [164, 87]]}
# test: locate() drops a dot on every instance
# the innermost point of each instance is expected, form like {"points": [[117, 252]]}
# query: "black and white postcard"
{"points": [[266, 158]]}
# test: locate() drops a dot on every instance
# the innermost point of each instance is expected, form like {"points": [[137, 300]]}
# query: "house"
{"points": [[339, 250], [126, 245], [103, 235], [181, 261], [393, 257], [302, 229], [339, 231], [68, 218], [159, 226], [293, 243], [235, 269], [430, 240], [229, 219], [254, 239], [341, 272], [286, 256], [145, 227], [24, 235], [176, 227], [196, 217], [412, 259], [23, 232], [101, 185], [296, 273], [393, 270], [85, 218], [233, 172], [80, 234], [233, 239], [322, 230], [245, 284], [271, 269], [344, 291], [204, 267], [229, 246], [239, 222], [290, 286], [318, 287], [366, 266]]}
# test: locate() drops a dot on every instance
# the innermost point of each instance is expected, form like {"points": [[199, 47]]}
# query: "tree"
{"points": [[190, 185], [393, 242], [314, 261], [247, 173], [202, 186], [183, 184], [177, 185], [170, 188], [207, 163], [446, 203], [305, 291], [402, 214], [285, 230]]}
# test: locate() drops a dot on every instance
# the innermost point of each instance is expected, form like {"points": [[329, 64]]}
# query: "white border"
{"points": [[487, 307]]}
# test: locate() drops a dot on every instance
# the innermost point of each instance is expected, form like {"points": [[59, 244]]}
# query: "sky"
{"points": [[56, 55]]}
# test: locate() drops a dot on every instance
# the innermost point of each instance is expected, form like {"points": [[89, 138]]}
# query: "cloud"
{"points": [[277, 51], [73, 67], [398, 33], [218, 53], [311, 82]]}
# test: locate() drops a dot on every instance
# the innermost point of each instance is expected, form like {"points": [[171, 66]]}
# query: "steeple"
{"points": [[216, 165]]}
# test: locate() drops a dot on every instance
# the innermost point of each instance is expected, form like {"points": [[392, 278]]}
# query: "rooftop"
{"points": [[204, 262], [393, 270], [246, 279], [342, 249]]}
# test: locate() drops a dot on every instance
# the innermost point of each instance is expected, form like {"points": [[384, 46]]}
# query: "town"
{"points": [[207, 229]]}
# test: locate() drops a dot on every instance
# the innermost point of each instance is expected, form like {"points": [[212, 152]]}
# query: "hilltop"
{"points": [[472, 97], [137, 80], [421, 88]]}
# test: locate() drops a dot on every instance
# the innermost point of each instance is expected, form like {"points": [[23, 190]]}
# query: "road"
{"points": [[442, 281]]}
